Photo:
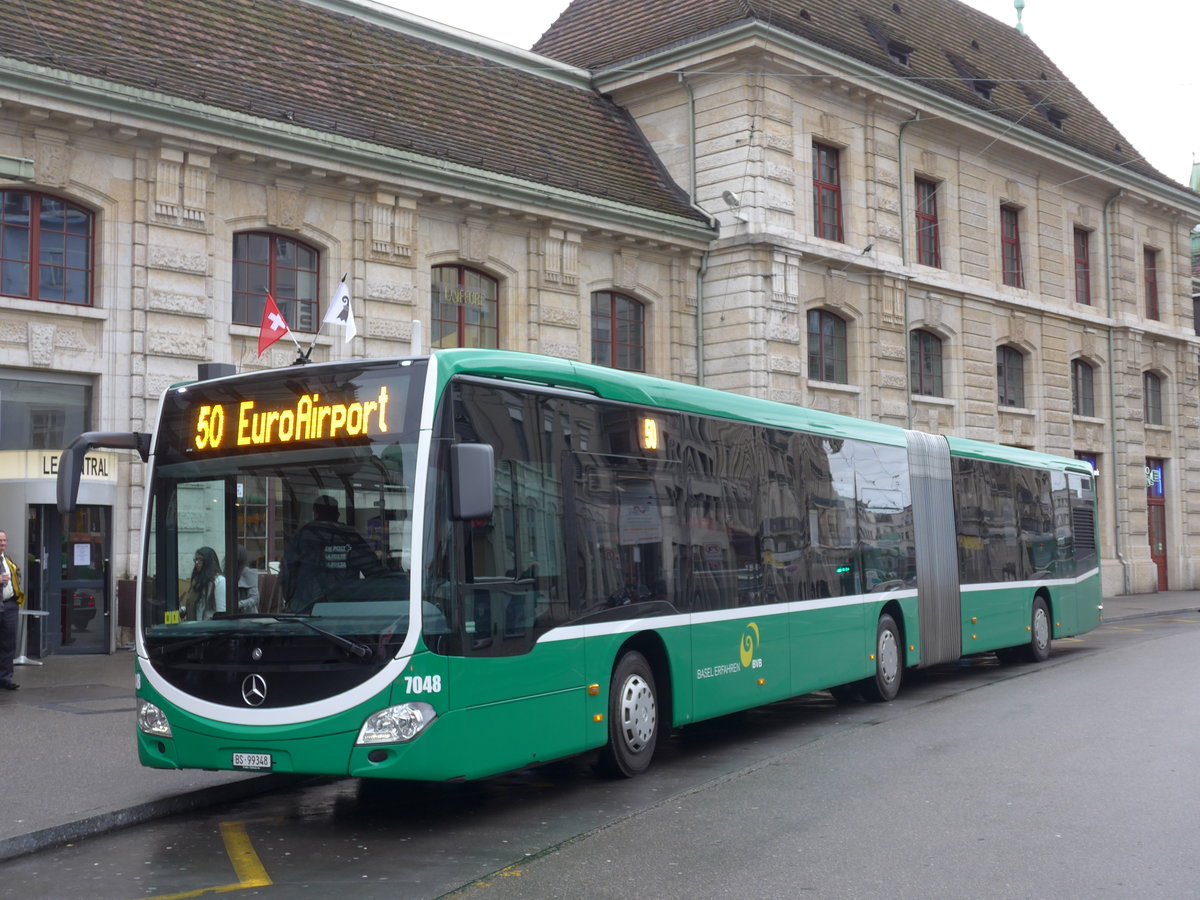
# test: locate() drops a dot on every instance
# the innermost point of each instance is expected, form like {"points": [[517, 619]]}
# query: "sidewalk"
{"points": [[70, 767]]}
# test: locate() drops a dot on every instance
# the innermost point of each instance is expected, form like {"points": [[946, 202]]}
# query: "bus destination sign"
{"points": [[224, 426]]}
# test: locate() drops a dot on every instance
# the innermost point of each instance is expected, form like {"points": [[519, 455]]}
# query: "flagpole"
{"points": [[300, 354]]}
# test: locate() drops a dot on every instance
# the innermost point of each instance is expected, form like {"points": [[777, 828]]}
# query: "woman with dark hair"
{"points": [[206, 593]]}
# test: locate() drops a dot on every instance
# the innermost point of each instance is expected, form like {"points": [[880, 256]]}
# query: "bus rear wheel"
{"points": [[889, 662], [1038, 648], [632, 718]]}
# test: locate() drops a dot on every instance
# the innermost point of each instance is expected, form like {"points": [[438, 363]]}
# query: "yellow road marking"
{"points": [[246, 865]]}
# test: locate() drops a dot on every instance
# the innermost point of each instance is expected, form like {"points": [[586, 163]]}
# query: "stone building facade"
{"points": [[684, 183], [944, 130]]}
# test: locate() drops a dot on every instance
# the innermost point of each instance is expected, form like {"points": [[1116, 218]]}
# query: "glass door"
{"points": [[84, 604]]}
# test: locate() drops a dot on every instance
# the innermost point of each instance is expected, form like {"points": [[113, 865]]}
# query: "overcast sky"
{"points": [[1134, 59]]}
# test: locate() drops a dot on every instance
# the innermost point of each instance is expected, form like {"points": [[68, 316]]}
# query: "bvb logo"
{"points": [[750, 641]]}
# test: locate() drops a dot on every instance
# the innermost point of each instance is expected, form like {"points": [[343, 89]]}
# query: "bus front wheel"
{"points": [[889, 662], [632, 718]]}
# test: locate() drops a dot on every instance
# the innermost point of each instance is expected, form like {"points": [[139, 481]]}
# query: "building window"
{"points": [[1150, 265], [1152, 398], [1010, 246], [43, 412], [925, 363], [1083, 266], [928, 249], [618, 332], [1196, 314], [466, 308], [827, 192], [290, 270], [827, 353], [1083, 395], [1010, 376], [46, 250]]}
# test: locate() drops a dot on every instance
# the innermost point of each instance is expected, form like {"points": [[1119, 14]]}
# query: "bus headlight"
{"points": [[396, 724], [152, 720]]}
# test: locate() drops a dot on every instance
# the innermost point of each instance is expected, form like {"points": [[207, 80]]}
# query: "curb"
{"points": [[57, 835]]}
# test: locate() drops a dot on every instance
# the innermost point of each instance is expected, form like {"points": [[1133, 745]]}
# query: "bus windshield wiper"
{"points": [[164, 650], [355, 648]]}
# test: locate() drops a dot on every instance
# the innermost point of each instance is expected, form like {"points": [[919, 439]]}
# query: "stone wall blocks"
{"points": [[180, 304], [174, 259]]}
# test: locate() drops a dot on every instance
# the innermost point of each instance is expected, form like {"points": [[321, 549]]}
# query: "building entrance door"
{"points": [[1156, 515], [72, 553]]}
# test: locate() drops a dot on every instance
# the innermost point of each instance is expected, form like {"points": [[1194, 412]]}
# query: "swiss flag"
{"points": [[273, 325]]}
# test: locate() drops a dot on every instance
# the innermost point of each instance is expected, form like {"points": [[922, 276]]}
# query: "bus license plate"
{"points": [[252, 760]]}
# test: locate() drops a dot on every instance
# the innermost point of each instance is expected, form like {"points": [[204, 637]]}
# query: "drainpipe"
{"points": [[1112, 389], [703, 270], [903, 158], [700, 273]]}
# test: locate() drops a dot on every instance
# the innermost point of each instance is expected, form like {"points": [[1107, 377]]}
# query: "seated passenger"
{"points": [[324, 555]]}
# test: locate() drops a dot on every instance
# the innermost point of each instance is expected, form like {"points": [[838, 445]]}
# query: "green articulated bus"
{"points": [[456, 565]]}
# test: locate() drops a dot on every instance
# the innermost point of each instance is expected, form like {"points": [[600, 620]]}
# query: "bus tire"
{"points": [[889, 662], [1038, 648], [632, 718]]}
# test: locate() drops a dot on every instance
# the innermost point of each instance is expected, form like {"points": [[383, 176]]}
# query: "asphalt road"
{"points": [[1075, 778]]}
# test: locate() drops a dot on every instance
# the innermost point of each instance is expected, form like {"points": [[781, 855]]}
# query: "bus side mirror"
{"points": [[472, 481], [70, 463]]}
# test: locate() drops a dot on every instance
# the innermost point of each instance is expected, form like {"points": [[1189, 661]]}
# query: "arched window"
{"points": [[827, 352], [46, 248], [466, 308], [290, 270], [1152, 398], [618, 332], [1010, 376], [1083, 395], [925, 363]]}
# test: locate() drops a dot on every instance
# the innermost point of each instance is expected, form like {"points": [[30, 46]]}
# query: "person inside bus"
{"points": [[206, 590], [324, 555], [247, 583]]}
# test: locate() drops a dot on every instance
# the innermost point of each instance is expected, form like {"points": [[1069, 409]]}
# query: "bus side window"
{"points": [[511, 562]]}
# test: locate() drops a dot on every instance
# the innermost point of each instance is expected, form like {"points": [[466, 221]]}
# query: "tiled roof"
{"points": [[318, 68], [951, 46]]}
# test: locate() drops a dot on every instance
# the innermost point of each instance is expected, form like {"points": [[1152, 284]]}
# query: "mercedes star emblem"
{"points": [[254, 690]]}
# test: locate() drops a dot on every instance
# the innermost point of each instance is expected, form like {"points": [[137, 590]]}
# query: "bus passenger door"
{"points": [[522, 698]]}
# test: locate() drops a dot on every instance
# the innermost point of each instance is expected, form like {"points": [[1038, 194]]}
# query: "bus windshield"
{"points": [[280, 514]]}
